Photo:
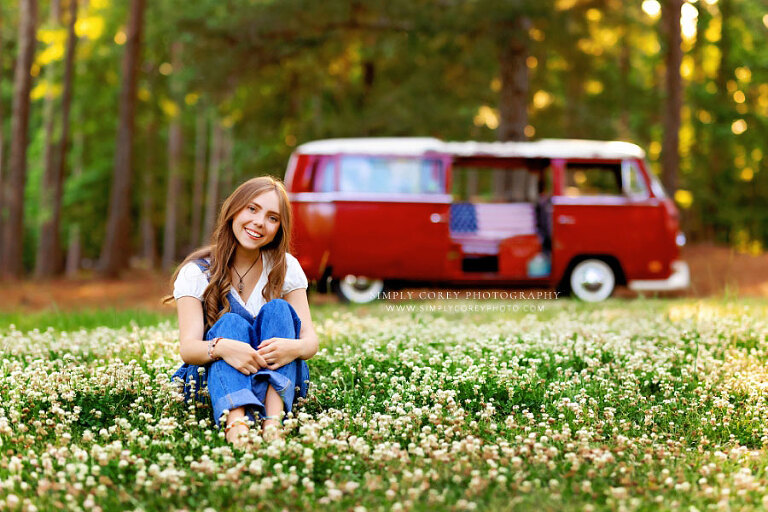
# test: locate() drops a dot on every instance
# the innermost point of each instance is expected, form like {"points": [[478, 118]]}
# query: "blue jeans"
{"points": [[230, 389]]}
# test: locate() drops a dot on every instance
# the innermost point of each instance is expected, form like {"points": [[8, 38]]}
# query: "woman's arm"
{"points": [[278, 352], [308, 338], [194, 350]]}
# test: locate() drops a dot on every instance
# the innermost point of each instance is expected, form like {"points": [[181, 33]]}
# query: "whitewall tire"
{"points": [[592, 280], [359, 289]]}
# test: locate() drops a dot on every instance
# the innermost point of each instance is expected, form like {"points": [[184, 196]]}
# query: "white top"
{"points": [[393, 146], [419, 146], [547, 148], [192, 282]]}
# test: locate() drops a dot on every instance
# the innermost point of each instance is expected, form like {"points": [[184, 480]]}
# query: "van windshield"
{"points": [[384, 175], [656, 186]]}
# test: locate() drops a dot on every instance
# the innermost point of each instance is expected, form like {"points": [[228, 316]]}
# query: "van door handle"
{"points": [[565, 219], [436, 218]]}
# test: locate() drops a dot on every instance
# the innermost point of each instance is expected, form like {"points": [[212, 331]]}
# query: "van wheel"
{"points": [[359, 289], [592, 280]]}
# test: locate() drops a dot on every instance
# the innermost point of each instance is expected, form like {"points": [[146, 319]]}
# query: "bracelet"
{"points": [[212, 345], [239, 421]]}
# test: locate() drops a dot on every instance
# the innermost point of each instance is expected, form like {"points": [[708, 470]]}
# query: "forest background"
{"points": [[123, 124]]}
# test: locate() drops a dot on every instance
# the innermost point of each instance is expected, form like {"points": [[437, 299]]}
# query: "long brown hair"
{"points": [[221, 251]]}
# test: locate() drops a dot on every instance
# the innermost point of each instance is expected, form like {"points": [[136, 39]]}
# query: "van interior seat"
{"points": [[480, 228]]}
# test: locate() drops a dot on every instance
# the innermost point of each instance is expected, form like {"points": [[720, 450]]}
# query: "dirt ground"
{"points": [[715, 271], [721, 270]]}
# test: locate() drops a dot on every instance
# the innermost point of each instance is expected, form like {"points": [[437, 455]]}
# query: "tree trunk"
{"points": [[721, 154], [2, 145], [115, 252], [74, 244], [45, 197], [227, 166], [201, 137], [472, 185], [148, 244], [49, 250], [692, 222], [625, 67], [725, 45], [147, 171], [174, 167], [13, 205], [513, 98], [670, 148], [214, 167]]}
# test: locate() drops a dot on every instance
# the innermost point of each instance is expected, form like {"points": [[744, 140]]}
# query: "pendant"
{"points": [[240, 287]]}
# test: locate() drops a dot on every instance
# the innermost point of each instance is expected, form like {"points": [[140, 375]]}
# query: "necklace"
{"points": [[240, 285]]}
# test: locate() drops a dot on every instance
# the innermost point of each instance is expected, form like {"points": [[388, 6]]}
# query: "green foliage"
{"points": [[282, 73]]}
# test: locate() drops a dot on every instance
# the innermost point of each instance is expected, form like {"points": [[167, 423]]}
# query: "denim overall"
{"points": [[227, 387]]}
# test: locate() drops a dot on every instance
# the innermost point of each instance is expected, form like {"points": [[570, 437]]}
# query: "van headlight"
{"points": [[680, 239]]}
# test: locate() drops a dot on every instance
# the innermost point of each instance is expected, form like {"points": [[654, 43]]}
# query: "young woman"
{"points": [[243, 313]]}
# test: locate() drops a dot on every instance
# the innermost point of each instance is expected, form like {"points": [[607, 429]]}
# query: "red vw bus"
{"points": [[576, 215]]}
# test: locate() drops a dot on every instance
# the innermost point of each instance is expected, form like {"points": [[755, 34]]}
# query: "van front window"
{"points": [[391, 175]]}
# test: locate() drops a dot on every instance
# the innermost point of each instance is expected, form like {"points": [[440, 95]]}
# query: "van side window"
{"points": [[634, 184], [471, 184], [593, 180], [391, 175], [495, 185], [432, 177], [323, 177]]}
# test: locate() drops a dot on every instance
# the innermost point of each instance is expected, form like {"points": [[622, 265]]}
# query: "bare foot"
{"points": [[236, 431], [238, 435], [272, 429]]}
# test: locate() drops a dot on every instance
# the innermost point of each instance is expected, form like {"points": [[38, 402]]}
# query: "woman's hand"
{"points": [[240, 356], [278, 352]]}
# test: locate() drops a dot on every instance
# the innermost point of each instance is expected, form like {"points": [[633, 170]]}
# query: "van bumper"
{"points": [[678, 280]]}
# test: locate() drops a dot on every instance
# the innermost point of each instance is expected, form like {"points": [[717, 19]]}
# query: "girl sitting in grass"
{"points": [[244, 315]]}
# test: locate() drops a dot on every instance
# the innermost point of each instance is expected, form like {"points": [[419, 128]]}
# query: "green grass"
{"points": [[85, 319], [638, 405]]}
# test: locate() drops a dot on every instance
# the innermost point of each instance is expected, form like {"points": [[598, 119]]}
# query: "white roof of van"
{"points": [[416, 146], [400, 146], [547, 148]]}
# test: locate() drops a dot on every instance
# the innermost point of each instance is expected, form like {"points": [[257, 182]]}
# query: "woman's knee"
{"points": [[277, 318], [231, 325], [277, 306]]}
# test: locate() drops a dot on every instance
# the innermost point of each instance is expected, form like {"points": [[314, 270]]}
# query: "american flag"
{"points": [[479, 228]]}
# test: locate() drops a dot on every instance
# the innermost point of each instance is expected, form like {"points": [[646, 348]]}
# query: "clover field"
{"points": [[625, 405]]}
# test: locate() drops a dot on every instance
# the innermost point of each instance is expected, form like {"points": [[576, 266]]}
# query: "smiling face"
{"points": [[258, 223]]}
